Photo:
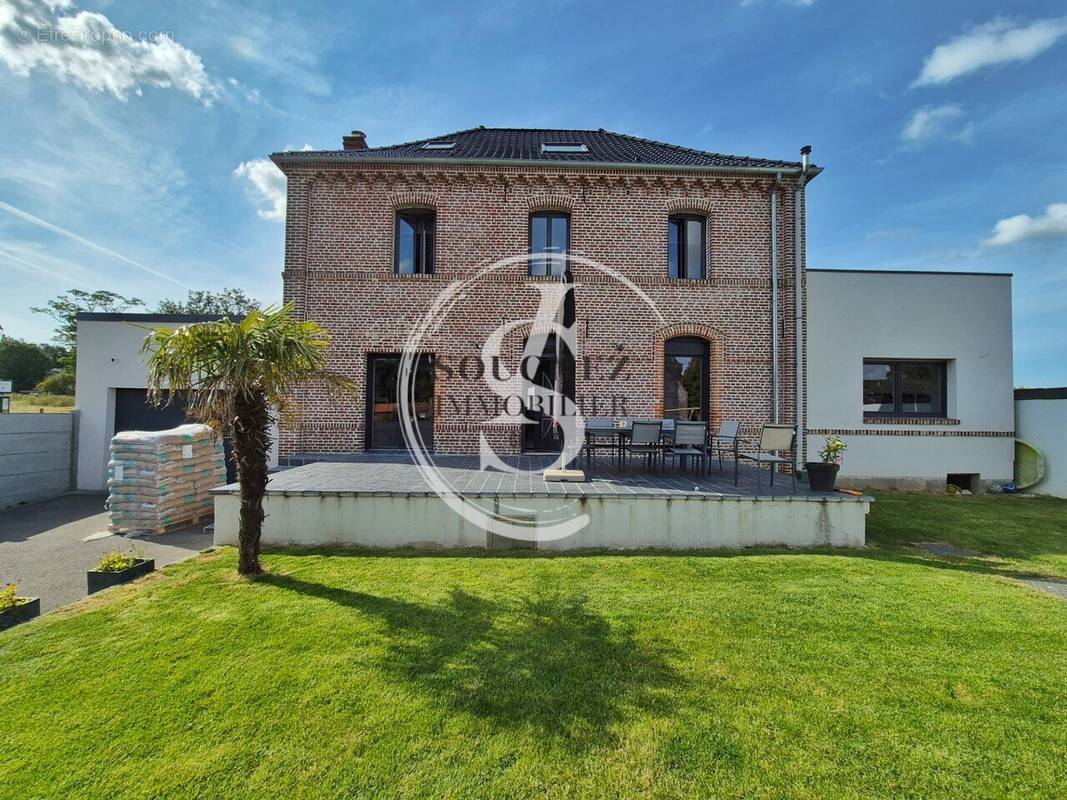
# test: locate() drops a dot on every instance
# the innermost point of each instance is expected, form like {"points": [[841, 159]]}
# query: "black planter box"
{"points": [[103, 580], [20, 613], [821, 477]]}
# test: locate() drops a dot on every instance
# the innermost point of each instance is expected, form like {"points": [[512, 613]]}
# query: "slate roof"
{"points": [[524, 144]]}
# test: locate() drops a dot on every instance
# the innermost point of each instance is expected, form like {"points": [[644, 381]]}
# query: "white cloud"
{"points": [[267, 184], [85, 48], [1051, 224], [930, 122], [997, 42]]}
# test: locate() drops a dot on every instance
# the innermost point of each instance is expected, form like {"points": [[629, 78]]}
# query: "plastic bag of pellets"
{"points": [[161, 479]]}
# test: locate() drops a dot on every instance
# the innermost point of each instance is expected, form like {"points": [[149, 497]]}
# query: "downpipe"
{"points": [[799, 310], [774, 297]]}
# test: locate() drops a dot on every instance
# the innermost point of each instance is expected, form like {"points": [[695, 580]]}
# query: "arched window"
{"points": [[686, 245], [550, 238], [414, 247], [685, 378]]}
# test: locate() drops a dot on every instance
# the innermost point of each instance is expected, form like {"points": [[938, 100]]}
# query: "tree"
{"points": [[59, 382], [228, 302], [25, 363], [232, 374], [65, 309]]}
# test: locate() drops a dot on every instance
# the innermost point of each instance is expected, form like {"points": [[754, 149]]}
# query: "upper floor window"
{"points": [[414, 242], [550, 237], [904, 388], [686, 254]]}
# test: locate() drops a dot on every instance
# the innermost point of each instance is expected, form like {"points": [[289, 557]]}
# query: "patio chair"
{"points": [[690, 441], [599, 435], [773, 439], [644, 441], [728, 435]]}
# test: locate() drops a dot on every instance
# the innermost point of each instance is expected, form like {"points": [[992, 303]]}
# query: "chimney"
{"points": [[357, 140], [805, 151]]}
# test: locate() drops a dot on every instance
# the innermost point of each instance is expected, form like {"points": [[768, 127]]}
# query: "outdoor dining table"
{"points": [[621, 430]]}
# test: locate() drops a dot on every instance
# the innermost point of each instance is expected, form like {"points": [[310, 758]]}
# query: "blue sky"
{"points": [[942, 126]]}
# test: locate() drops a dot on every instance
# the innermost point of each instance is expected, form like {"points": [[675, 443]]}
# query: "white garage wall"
{"points": [[1043, 423], [962, 318], [109, 358]]}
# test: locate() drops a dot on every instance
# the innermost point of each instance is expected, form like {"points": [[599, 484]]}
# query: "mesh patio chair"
{"points": [[644, 441], [728, 436], [690, 441], [599, 435], [773, 439]]}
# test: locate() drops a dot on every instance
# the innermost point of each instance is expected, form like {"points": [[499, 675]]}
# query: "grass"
{"points": [[42, 403], [876, 673]]}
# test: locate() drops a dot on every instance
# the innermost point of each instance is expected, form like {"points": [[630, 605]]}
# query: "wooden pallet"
{"points": [[160, 530]]}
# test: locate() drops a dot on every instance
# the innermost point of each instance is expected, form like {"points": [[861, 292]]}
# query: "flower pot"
{"points": [[103, 580], [821, 476], [20, 613]]}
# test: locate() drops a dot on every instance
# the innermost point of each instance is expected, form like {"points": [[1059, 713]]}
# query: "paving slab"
{"points": [[1053, 587]]}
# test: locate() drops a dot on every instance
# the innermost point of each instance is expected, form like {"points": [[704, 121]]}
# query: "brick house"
{"points": [[374, 235]]}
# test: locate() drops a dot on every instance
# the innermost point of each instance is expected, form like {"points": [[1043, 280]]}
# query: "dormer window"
{"points": [[563, 147], [438, 145]]}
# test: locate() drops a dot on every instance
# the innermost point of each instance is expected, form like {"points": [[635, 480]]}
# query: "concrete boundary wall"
{"points": [[36, 456]]}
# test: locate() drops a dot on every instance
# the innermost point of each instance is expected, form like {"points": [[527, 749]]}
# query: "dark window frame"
{"points": [[684, 272], [547, 215], [424, 221], [693, 347], [897, 366]]}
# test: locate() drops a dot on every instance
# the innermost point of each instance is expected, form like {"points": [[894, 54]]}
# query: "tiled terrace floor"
{"points": [[397, 474]]}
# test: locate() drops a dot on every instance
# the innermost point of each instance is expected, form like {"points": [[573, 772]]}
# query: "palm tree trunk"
{"points": [[251, 441]]}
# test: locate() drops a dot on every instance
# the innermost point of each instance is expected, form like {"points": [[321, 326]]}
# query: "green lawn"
{"points": [[877, 673]]}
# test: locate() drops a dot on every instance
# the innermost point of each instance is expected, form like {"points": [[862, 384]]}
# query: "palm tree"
{"points": [[234, 375]]}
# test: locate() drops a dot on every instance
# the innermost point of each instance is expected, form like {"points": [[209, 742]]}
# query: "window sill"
{"points": [[870, 420]]}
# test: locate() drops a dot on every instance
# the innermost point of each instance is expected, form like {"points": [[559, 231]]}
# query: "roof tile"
{"points": [[524, 144]]}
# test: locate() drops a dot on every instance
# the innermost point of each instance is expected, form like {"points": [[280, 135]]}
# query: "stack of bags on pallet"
{"points": [[159, 479]]}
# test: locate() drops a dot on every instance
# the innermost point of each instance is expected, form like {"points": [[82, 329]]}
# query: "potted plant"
{"points": [[118, 567], [15, 609], [822, 474]]}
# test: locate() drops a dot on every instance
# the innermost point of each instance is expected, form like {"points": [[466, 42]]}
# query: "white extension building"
{"points": [[111, 386], [914, 371]]}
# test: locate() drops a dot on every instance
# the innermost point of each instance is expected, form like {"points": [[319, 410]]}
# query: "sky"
{"points": [[134, 134]]}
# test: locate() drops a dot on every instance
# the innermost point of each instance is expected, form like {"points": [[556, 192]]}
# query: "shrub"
{"points": [[833, 452], [8, 598], [117, 561], [59, 382]]}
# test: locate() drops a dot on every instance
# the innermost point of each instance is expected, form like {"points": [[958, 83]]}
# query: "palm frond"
{"points": [[268, 353]]}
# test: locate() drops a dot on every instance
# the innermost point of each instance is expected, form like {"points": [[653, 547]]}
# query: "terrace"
{"points": [[386, 500]]}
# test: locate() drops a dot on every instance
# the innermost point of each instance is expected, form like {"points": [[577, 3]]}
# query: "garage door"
{"points": [[133, 412]]}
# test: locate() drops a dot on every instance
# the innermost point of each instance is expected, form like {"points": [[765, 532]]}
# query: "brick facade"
{"points": [[339, 273]]}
